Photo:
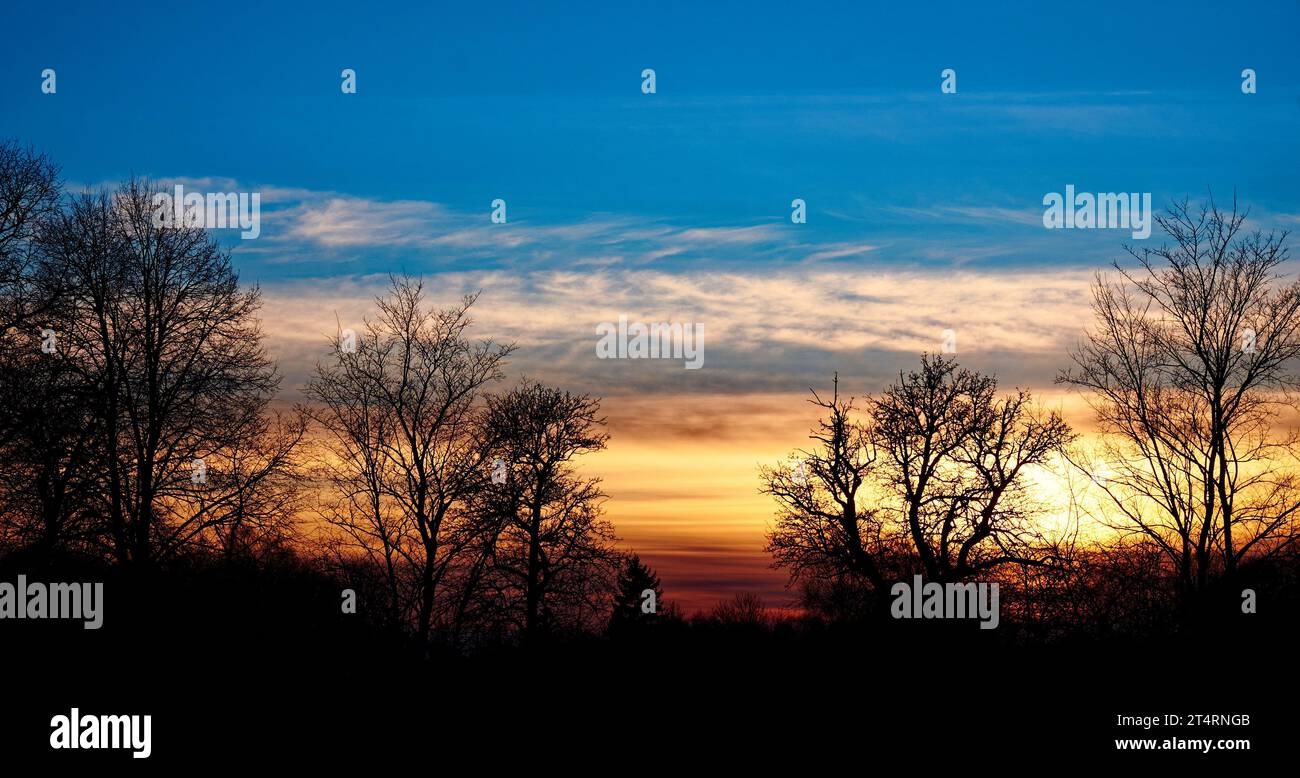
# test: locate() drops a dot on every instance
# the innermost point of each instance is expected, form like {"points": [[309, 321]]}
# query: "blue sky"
{"points": [[677, 204], [757, 103]]}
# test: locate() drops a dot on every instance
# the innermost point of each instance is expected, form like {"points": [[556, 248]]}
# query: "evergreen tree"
{"points": [[633, 607]]}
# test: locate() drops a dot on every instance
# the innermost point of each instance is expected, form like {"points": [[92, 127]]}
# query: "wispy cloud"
{"points": [[972, 214], [840, 251], [763, 331], [358, 222]]}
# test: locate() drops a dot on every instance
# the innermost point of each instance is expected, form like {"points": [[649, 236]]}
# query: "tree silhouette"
{"points": [[822, 528], [554, 559], [155, 363], [39, 409], [29, 196], [943, 462], [630, 601], [48, 489], [1188, 369], [955, 459], [404, 449], [744, 611]]}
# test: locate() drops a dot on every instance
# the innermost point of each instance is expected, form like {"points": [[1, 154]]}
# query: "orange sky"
{"points": [[682, 464], [682, 475]]}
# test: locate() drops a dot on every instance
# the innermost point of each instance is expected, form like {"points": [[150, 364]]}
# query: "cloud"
{"points": [[764, 331], [307, 233], [354, 221], [725, 235], [305, 226], [974, 214], [840, 251]]}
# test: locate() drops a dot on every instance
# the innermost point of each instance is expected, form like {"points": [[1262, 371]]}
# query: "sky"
{"points": [[924, 208]]}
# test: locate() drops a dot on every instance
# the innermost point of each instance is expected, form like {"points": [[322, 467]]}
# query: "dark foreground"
{"points": [[240, 670]]}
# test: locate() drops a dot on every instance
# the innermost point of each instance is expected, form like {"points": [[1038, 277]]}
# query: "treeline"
{"points": [[1186, 496], [137, 427]]}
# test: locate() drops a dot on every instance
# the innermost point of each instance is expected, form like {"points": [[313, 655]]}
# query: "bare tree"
{"points": [[47, 495], [943, 463], [823, 529], [168, 346], [555, 560], [405, 450], [744, 611], [357, 475], [1187, 370], [956, 459], [254, 492], [29, 292], [29, 195]]}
